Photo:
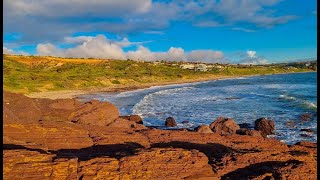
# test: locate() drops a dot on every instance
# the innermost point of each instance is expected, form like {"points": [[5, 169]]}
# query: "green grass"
{"points": [[28, 78]]}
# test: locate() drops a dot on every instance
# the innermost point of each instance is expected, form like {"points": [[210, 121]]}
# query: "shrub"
{"points": [[115, 82]]}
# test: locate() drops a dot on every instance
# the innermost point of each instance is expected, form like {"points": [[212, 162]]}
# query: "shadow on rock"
{"points": [[111, 150], [214, 151], [17, 147], [259, 169]]}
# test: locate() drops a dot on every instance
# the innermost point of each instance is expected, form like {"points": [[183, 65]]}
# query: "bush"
{"points": [[115, 82]]}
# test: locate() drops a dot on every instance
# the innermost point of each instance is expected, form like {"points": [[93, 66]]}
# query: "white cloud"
{"points": [[11, 51], [78, 39], [252, 12], [102, 47], [95, 47], [73, 8], [48, 49], [243, 29], [207, 24], [142, 53], [252, 58], [58, 18], [205, 56], [7, 51], [251, 54]]}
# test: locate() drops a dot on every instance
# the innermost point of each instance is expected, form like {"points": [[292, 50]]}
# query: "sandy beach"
{"points": [[65, 94]]}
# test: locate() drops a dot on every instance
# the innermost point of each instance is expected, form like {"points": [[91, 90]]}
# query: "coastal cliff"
{"points": [[68, 139]]}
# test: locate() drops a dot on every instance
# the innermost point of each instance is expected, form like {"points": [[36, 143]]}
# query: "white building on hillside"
{"points": [[201, 67], [187, 66]]}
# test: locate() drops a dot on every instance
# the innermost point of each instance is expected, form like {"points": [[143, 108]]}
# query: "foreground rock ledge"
{"points": [[66, 139]]}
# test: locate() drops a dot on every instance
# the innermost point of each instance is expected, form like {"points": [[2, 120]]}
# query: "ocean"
{"points": [[283, 98]]}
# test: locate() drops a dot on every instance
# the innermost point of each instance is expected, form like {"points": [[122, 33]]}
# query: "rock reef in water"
{"points": [[66, 139]]}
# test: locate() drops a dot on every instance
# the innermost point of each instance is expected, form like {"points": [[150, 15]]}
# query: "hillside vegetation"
{"points": [[27, 74]]}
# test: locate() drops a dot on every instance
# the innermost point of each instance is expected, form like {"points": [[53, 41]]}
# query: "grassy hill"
{"points": [[27, 74]]}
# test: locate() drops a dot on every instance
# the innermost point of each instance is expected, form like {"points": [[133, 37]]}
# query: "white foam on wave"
{"points": [[147, 102], [287, 97], [310, 104]]}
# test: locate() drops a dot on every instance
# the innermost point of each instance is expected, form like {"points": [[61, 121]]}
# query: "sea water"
{"points": [[283, 98]]}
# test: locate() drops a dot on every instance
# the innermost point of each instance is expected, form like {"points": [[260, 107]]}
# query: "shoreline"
{"points": [[68, 94]]}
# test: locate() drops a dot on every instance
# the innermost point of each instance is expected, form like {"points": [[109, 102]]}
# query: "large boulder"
{"points": [[203, 129], [224, 126], [265, 126], [135, 118], [95, 112], [170, 122]]}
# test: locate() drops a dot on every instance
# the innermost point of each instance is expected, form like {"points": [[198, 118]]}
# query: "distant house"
{"points": [[201, 67], [156, 62], [187, 66]]}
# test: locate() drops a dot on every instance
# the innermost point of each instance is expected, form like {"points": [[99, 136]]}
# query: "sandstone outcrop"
{"points": [[224, 126], [95, 113]]}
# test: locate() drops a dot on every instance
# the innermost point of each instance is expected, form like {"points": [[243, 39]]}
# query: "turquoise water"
{"points": [[282, 98]]}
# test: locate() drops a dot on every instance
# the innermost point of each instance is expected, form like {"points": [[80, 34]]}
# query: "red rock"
{"points": [[306, 117], [224, 126], [249, 132], [125, 124], [170, 122], [19, 108], [55, 148], [163, 163], [134, 118], [203, 129], [95, 113], [265, 126]]}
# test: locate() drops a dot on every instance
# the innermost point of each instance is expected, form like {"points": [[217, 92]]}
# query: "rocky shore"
{"points": [[67, 139]]}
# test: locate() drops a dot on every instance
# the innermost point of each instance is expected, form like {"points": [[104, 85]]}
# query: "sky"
{"points": [[213, 31]]}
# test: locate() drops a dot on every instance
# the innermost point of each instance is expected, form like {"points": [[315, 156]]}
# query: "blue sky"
{"points": [[236, 31]]}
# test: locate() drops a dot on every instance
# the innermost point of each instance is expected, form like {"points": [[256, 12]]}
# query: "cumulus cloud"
{"points": [[11, 51], [40, 21], [142, 53], [251, 54], [252, 58], [102, 47], [95, 47]]}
